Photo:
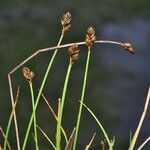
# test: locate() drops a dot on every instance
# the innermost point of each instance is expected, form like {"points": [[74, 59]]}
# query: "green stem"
{"points": [[40, 91], [58, 132], [45, 135], [8, 127], [101, 127], [82, 97], [34, 114]]}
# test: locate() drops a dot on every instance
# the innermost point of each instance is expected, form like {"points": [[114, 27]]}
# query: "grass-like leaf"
{"points": [[110, 143], [55, 116], [48, 139], [60, 112], [91, 141]]}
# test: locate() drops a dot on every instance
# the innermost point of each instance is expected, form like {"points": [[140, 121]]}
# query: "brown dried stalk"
{"points": [[70, 141], [4, 136], [14, 112], [134, 139], [144, 143], [91, 141]]}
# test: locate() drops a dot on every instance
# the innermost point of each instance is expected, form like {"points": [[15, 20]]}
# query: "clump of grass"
{"points": [[73, 50]]}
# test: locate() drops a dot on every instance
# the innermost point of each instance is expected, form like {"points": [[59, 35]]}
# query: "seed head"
{"points": [[74, 53], [90, 37], [128, 47], [65, 21], [28, 74]]}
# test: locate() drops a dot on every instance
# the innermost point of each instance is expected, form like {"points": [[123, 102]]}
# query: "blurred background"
{"points": [[117, 82]]}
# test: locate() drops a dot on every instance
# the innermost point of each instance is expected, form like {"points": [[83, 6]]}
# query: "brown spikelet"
{"points": [[90, 37], [28, 74], [65, 21], [128, 47], [74, 53]]}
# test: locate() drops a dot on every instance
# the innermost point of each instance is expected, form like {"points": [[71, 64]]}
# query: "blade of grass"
{"points": [[70, 141], [49, 140], [58, 132], [4, 136], [103, 144], [101, 126], [10, 119], [14, 113], [82, 98], [91, 141], [34, 115], [134, 139], [144, 143], [52, 111], [40, 91]]}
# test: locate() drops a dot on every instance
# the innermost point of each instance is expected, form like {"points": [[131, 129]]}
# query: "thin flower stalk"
{"points": [[29, 75], [73, 53], [82, 98], [40, 92], [90, 38], [34, 113], [41, 89], [60, 112]]}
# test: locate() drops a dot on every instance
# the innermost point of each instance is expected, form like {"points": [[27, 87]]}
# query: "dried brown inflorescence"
{"points": [[90, 37], [66, 21], [28, 74], [128, 47], [74, 53]]}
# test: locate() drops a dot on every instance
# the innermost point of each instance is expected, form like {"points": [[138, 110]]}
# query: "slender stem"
{"points": [[49, 140], [82, 97], [34, 114], [40, 91], [58, 132], [8, 128], [88, 146], [144, 143], [140, 122], [10, 120], [55, 116], [59, 47], [14, 113], [101, 127]]}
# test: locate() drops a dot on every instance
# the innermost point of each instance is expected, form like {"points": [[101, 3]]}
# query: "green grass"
{"points": [[35, 98]]}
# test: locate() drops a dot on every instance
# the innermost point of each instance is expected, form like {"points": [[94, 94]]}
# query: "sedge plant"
{"points": [[73, 50], [66, 19]]}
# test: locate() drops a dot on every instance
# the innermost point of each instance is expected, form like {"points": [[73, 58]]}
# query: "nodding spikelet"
{"points": [[128, 47], [90, 37], [74, 53], [66, 21], [28, 74]]}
